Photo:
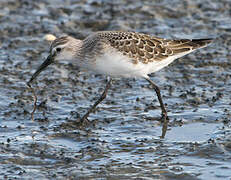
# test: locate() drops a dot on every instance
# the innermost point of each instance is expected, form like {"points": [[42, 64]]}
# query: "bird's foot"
{"points": [[83, 121], [164, 120]]}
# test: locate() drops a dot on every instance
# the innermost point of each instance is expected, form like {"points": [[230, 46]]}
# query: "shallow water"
{"points": [[124, 138]]}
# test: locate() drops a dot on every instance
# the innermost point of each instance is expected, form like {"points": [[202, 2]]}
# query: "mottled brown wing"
{"points": [[145, 48]]}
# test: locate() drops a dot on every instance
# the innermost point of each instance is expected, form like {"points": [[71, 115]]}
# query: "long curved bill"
{"points": [[47, 62]]}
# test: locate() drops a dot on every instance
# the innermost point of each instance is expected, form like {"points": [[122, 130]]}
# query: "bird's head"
{"points": [[63, 48]]}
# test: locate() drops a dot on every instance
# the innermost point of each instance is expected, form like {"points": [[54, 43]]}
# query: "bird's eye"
{"points": [[58, 49]]}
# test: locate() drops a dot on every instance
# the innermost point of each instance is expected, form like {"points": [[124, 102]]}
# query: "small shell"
{"points": [[49, 37]]}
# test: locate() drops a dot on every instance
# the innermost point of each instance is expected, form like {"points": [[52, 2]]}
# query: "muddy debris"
{"points": [[123, 136]]}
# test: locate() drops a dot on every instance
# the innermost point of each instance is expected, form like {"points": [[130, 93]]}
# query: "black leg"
{"points": [[102, 97], [164, 112]]}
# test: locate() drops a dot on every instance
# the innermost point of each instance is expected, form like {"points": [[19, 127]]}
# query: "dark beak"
{"points": [[47, 62]]}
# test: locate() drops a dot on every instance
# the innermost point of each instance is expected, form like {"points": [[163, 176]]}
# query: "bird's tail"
{"points": [[186, 45], [200, 43]]}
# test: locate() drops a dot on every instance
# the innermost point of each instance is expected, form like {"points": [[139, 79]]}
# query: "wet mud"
{"points": [[123, 139]]}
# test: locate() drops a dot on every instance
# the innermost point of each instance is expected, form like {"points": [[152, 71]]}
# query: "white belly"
{"points": [[118, 65]]}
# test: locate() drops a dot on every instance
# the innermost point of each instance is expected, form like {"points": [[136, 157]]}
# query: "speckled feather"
{"points": [[145, 48]]}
